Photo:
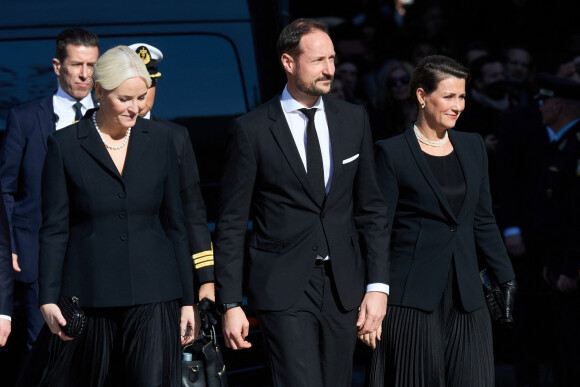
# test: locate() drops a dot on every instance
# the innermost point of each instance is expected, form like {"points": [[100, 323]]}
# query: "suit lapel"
{"points": [[91, 142], [462, 151], [426, 170], [281, 132], [335, 127], [137, 145], [46, 119]]}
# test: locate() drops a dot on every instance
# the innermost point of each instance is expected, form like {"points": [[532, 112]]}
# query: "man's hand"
{"points": [[372, 311], [515, 245], [15, 263], [236, 328], [54, 320], [370, 339], [5, 328], [207, 290]]}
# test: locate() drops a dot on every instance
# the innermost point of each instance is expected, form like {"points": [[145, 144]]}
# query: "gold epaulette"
{"points": [[203, 259]]}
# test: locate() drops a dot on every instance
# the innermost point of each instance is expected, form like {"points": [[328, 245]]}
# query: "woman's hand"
{"points": [[54, 320], [370, 339], [189, 324]]}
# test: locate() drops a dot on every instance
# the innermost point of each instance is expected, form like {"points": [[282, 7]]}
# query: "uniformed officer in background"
{"points": [[193, 205], [557, 221]]}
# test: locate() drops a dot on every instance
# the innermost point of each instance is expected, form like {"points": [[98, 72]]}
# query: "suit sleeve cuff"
{"points": [[378, 287], [5, 317]]}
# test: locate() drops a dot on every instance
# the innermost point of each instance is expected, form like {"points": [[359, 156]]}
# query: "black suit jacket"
{"points": [[192, 201], [265, 177], [6, 273], [21, 160], [102, 237], [425, 233]]}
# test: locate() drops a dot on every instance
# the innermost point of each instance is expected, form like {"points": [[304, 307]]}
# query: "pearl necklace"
{"points": [[426, 141], [113, 147]]}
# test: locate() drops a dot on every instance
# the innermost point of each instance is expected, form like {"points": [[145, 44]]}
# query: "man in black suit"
{"points": [[6, 278], [24, 149], [193, 206], [319, 222]]}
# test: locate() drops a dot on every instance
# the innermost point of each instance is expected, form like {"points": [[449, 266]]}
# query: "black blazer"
{"points": [[265, 177], [6, 272], [425, 233], [21, 160], [102, 238], [193, 205]]}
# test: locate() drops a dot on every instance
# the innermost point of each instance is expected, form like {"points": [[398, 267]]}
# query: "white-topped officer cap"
{"points": [[150, 55]]}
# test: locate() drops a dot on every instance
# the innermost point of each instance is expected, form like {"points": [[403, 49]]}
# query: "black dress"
{"points": [[445, 347]]}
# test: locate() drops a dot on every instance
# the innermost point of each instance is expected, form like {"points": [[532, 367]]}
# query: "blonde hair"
{"points": [[117, 65]]}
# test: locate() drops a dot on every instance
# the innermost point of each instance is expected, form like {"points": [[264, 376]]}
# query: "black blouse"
{"points": [[448, 173]]}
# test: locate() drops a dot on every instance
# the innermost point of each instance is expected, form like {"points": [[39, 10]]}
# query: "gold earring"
{"points": [[423, 105]]}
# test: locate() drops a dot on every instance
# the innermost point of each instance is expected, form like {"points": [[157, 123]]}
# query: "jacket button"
{"points": [[323, 215], [123, 215], [315, 247], [122, 194], [453, 228], [123, 237]]}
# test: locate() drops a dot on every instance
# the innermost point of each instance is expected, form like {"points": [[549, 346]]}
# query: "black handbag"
{"points": [[493, 296], [206, 367], [74, 316]]}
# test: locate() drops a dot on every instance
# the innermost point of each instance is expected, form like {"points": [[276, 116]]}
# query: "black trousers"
{"points": [[125, 346], [312, 343]]}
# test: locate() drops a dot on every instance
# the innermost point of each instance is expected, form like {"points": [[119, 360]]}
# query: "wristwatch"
{"points": [[222, 308]]}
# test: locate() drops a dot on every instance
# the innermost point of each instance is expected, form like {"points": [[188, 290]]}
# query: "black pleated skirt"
{"points": [[127, 346], [444, 348]]}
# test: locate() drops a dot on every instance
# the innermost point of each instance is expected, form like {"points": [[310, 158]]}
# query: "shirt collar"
{"points": [[290, 105], [65, 98], [554, 137]]}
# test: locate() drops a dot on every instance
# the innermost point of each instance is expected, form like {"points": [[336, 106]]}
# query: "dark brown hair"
{"points": [[432, 70], [76, 37], [289, 39]]}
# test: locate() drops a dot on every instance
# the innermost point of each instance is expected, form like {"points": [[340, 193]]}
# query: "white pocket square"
{"points": [[353, 158]]}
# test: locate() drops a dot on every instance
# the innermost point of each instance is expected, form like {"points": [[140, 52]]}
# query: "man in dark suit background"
{"points": [[192, 201], [318, 249], [556, 224], [22, 157], [6, 278]]}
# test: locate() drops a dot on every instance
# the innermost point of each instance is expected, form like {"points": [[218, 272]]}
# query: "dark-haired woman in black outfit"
{"points": [[437, 331]]}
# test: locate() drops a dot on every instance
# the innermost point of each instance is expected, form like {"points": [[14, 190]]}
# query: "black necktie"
{"points": [[314, 166], [315, 169], [78, 112]]}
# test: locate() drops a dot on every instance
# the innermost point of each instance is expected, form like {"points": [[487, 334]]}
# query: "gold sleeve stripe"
{"points": [[202, 254], [204, 265], [202, 260]]}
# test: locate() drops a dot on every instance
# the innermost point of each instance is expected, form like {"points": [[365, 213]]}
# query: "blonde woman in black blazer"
{"points": [[437, 331], [108, 182]]}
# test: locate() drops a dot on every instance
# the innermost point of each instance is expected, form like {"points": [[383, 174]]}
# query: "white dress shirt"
{"points": [[63, 107], [298, 122]]}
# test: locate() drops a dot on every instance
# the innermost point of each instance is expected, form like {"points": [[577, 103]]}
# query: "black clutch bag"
{"points": [[493, 296], [74, 316]]}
